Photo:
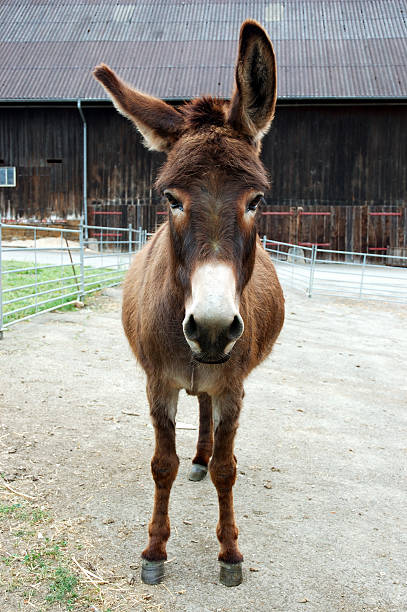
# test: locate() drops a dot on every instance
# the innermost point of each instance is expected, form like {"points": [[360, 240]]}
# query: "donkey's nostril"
{"points": [[191, 328], [236, 328]]}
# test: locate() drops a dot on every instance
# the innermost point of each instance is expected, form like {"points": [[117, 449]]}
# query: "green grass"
{"points": [[19, 512], [6, 509], [56, 281], [62, 587], [42, 569], [45, 562]]}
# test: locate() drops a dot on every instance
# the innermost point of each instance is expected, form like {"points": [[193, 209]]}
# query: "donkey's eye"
{"points": [[173, 202], [258, 199]]}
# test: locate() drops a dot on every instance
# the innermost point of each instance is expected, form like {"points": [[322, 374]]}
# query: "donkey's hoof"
{"points": [[198, 472], [152, 572], [230, 573]]}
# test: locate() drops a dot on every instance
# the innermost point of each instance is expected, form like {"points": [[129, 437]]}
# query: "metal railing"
{"points": [[56, 267], [42, 273], [356, 276]]}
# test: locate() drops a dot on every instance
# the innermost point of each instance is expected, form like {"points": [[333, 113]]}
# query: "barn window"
{"points": [[54, 160], [7, 177]]}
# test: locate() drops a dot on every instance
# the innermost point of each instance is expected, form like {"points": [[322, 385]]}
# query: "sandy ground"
{"points": [[322, 448]]}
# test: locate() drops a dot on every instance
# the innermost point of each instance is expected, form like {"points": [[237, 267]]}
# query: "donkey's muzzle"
{"points": [[212, 322], [212, 340]]}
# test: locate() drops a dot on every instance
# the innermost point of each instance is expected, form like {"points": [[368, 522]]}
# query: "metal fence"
{"points": [[357, 275], [51, 267]]}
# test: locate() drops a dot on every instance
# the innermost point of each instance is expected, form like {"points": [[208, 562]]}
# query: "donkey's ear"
{"points": [[254, 99], [159, 123]]}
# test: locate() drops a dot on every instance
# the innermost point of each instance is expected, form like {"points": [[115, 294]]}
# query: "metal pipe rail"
{"points": [[35, 278], [38, 278], [358, 276]]}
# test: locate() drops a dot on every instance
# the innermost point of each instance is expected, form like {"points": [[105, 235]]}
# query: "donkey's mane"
{"points": [[207, 141], [203, 112]]}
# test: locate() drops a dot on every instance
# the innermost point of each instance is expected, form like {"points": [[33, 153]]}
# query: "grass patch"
{"points": [[61, 284], [41, 568], [22, 513], [32, 558], [62, 587], [7, 509]]}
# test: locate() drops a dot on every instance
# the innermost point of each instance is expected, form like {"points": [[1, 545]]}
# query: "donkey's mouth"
{"points": [[207, 360]]}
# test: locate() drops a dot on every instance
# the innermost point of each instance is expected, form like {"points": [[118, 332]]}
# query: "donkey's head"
{"points": [[213, 181]]}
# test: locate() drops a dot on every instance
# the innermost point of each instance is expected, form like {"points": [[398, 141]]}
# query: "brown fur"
{"points": [[214, 169]]}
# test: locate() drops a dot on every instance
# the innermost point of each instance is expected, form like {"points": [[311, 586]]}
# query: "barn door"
{"points": [[278, 223], [313, 227], [106, 221], [294, 225], [382, 229]]}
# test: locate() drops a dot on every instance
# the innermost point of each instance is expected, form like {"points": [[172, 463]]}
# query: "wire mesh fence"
{"points": [[51, 268], [340, 273]]}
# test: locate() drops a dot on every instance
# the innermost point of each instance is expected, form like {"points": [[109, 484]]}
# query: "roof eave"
{"points": [[282, 100]]}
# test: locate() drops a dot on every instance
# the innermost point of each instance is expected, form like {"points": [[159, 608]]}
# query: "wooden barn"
{"points": [[336, 153]]}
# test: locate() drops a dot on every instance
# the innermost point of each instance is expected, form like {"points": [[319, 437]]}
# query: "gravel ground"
{"points": [[321, 493]]}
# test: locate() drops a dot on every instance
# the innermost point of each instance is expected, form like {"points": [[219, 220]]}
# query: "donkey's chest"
{"points": [[197, 378]]}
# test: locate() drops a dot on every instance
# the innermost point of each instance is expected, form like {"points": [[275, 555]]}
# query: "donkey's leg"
{"points": [[226, 409], [164, 467], [205, 439]]}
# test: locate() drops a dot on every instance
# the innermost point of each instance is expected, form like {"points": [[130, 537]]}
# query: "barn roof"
{"points": [[181, 49]]}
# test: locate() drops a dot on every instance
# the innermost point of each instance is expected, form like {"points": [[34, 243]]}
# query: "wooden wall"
{"points": [[338, 155], [338, 177], [338, 173], [358, 228], [44, 189], [120, 169]]}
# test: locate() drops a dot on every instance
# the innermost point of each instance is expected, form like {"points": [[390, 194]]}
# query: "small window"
{"points": [[54, 160], [7, 177]]}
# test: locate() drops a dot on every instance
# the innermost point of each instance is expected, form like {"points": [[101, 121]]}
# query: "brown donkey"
{"points": [[202, 305]]}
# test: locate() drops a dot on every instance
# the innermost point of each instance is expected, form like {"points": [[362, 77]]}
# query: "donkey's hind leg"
{"points": [[164, 467], [205, 439]]}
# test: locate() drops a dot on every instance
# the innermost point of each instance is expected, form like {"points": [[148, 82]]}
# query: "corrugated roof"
{"points": [[175, 50]]}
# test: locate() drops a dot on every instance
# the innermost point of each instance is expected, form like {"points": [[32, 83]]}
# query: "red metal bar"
{"points": [[101, 212], [107, 234], [277, 213], [385, 214], [377, 248], [322, 214], [160, 212], [316, 243]]}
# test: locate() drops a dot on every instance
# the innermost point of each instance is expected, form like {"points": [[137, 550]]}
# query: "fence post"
{"points": [[140, 238], [130, 240], [312, 270], [1, 287], [264, 242], [362, 276], [81, 259]]}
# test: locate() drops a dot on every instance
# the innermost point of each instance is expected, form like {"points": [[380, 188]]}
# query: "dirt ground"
{"points": [[322, 448]]}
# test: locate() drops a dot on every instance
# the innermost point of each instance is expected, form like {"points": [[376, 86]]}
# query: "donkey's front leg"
{"points": [[164, 468], [226, 409]]}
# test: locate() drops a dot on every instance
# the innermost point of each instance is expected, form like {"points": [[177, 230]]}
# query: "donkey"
{"points": [[202, 305]]}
